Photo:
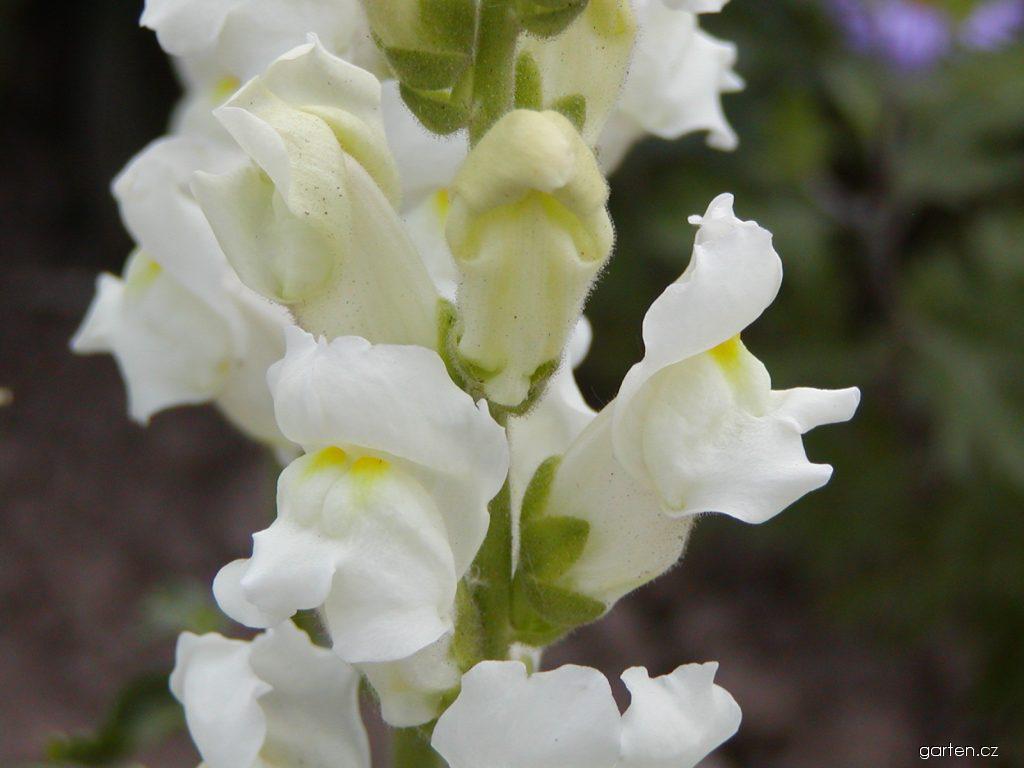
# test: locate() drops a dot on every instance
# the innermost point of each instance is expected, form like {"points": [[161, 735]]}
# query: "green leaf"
{"points": [[143, 713]]}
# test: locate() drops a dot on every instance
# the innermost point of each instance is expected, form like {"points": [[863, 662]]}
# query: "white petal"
{"points": [[565, 718], [811, 408], [426, 223], [220, 692], [397, 401], [164, 218], [291, 570], [630, 541], [239, 38], [675, 720], [426, 161], [579, 343], [172, 347], [383, 290], [697, 6], [589, 59], [411, 689], [258, 31], [677, 77], [312, 711], [278, 699], [712, 443], [228, 592], [733, 275], [186, 26], [245, 398], [359, 538]]}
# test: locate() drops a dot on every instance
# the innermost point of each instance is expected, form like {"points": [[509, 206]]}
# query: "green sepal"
{"points": [[529, 88], [538, 385], [447, 317], [411, 748], [439, 111], [468, 642], [543, 613], [535, 498], [427, 70], [574, 108], [471, 378], [550, 545], [562, 606], [529, 626], [544, 20], [451, 23]]}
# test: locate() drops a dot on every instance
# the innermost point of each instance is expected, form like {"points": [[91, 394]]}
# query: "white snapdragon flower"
{"points": [[696, 426], [675, 81], [218, 45], [277, 700], [567, 718], [310, 221], [182, 327], [385, 512]]}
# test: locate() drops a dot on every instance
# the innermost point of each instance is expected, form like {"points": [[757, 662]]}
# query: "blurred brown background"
{"points": [[877, 616]]}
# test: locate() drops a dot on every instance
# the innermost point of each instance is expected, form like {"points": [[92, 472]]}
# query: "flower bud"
{"points": [[529, 232], [581, 71], [428, 43], [310, 221]]}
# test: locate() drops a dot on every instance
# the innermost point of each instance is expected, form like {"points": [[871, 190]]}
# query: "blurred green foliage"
{"points": [[897, 203], [144, 712]]}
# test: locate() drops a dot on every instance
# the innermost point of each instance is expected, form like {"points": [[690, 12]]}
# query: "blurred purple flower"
{"points": [[914, 35], [993, 24]]}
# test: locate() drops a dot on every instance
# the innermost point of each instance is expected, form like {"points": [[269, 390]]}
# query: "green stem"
{"points": [[411, 750], [493, 573], [494, 67]]}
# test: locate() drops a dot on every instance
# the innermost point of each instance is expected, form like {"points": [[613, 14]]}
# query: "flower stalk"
{"points": [[494, 68]]}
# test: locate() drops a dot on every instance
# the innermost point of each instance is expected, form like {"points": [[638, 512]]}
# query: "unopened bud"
{"points": [[529, 232], [428, 43]]}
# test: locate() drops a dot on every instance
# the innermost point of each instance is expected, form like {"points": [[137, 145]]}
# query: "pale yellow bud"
{"points": [[529, 232]]}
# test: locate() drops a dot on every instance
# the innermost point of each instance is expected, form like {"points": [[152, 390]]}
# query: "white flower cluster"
{"points": [[398, 315]]}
